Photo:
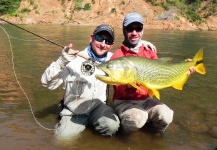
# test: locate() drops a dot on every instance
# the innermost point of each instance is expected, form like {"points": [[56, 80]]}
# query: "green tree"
{"points": [[9, 6]]}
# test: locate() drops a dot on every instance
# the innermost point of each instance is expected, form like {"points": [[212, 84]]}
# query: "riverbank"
{"points": [[105, 11]]}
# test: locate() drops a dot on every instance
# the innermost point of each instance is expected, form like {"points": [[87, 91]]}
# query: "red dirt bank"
{"points": [[53, 12]]}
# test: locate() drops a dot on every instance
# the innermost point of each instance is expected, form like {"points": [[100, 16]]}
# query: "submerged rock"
{"points": [[213, 132]]}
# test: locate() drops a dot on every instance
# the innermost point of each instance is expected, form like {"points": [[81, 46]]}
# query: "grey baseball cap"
{"points": [[105, 27], [132, 17]]}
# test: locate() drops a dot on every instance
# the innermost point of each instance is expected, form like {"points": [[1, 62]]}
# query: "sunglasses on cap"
{"points": [[101, 39], [131, 28]]}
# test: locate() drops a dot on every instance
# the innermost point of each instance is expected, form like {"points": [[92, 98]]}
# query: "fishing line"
{"points": [[32, 33], [88, 68], [22, 39], [30, 105], [18, 82]]}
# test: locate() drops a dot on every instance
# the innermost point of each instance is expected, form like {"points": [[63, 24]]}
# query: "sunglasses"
{"points": [[131, 28], [101, 39]]}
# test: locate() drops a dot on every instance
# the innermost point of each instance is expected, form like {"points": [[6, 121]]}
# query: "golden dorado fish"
{"points": [[152, 74]]}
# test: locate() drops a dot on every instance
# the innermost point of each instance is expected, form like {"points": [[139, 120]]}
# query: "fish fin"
{"points": [[198, 59], [200, 68], [150, 93], [153, 92], [128, 74], [135, 86], [181, 83]]}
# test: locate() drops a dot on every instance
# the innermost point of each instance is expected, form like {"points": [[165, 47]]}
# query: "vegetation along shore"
{"points": [[158, 14]]}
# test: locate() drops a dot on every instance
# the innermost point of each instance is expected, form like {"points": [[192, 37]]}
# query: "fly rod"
{"points": [[85, 57]]}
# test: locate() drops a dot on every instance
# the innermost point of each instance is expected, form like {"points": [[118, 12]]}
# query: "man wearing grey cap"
{"points": [[84, 96], [134, 107]]}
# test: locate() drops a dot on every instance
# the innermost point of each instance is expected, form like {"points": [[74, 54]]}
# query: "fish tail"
{"points": [[153, 92], [198, 59]]}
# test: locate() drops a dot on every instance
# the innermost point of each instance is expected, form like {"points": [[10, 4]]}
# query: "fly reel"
{"points": [[88, 67]]}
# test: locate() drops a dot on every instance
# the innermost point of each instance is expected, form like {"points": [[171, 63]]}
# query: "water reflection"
{"points": [[194, 125]]}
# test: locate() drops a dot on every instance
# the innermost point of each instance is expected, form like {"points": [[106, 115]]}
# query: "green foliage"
{"points": [[122, 3], [31, 2], [78, 5], [25, 10], [9, 7], [191, 9], [87, 6], [113, 10], [194, 18]]}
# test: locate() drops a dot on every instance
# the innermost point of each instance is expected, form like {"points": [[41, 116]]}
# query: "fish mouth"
{"points": [[104, 77], [105, 74]]}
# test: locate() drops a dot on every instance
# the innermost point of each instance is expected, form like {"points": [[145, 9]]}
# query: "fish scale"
{"points": [[155, 73]]}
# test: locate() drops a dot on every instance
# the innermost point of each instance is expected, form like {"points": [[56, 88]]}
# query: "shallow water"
{"points": [[195, 118]]}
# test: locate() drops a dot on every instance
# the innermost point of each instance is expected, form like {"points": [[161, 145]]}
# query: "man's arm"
{"points": [[52, 77]]}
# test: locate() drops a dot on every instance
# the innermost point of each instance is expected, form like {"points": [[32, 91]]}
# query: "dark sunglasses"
{"points": [[101, 39], [131, 28]]}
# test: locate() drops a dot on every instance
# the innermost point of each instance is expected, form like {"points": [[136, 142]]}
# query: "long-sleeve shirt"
{"points": [[80, 90]]}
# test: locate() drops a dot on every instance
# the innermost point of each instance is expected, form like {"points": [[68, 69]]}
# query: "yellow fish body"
{"points": [[152, 74]]}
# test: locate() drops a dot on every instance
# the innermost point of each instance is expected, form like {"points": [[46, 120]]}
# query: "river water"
{"points": [[25, 57]]}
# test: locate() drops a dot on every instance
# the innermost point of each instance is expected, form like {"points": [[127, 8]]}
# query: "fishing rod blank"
{"points": [[87, 67], [41, 37], [32, 33]]}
